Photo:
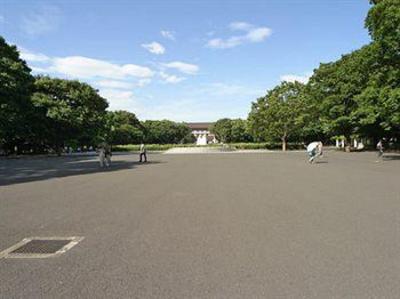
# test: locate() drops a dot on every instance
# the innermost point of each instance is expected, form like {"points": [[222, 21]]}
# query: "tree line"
{"points": [[357, 96], [42, 114]]}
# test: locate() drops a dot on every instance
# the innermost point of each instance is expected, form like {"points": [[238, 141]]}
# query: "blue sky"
{"points": [[183, 60]]}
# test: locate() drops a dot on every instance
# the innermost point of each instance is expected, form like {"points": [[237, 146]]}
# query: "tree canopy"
{"points": [[231, 130], [16, 84], [73, 111], [355, 96], [124, 128], [276, 116], [165, 131]]}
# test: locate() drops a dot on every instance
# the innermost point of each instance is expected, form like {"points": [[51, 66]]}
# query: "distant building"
{"points": [[202, 133]]}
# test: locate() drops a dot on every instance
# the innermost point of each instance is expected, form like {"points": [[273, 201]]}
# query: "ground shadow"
{"points": [[389, 157], [15, 171]]}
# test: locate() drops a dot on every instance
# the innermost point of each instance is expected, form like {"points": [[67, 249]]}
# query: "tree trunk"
{"points": [[347, 146], [284, 143]]}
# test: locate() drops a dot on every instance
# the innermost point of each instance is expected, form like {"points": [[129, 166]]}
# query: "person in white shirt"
{"points": [[104, 152], [314, 149], [379, 147], [143, 153]]}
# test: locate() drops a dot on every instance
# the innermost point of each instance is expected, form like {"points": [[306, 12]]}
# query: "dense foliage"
{"points": [[72, 112], [277, 115], [231, 130], [16, 85], [166, 131], [356, 96], [123, 127]]}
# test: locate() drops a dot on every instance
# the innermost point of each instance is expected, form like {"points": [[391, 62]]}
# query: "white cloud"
{"points": [[192, 109], [121, 85], [79, 67], [115, 84], [240, 26], [218, 43], [293, 78], [187, 104], [228, 100], [252, 35], [171, 78], [114, 81], [32, 57], [84, 67], [39, 70], [43, 20], [143, 82], [168, 34], [228, 89], [176, 110], [155, 48], [183, 67], [258, 34], [120, 99]]}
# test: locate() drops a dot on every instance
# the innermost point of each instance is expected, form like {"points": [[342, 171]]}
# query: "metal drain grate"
{"points": [[40, 247]]}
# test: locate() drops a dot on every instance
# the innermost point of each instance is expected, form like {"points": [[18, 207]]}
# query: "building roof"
{"points": [[199, 126]]}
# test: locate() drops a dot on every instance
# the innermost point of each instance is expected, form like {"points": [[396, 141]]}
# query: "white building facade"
{"points": [[201, 131]]}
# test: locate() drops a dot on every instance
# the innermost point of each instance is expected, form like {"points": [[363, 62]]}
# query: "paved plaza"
{"points": [[229, 225]]}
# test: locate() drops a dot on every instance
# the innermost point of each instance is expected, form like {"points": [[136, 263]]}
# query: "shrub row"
{"points": [[149, 147], [266, 145], [239, 146]]}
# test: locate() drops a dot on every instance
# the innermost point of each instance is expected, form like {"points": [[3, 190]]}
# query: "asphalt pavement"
{"points": [[249, 225]]}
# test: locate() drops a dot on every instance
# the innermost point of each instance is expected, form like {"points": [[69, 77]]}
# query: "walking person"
{"points": [[142, 153], [108, 155], [314, 149], [379, 147], [104, 152]]}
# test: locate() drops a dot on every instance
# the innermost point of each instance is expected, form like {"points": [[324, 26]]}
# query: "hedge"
{"points": [[239, 146]]}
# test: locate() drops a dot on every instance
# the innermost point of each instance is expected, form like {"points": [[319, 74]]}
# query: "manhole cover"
{"points": [[40, 247]]}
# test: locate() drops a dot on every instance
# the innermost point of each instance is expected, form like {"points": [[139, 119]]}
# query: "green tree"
{"points": [[223, 130], [73, 111], [126, 134], [359, 94], [189, 139], [165, 131], [380, 101], [383, 23], [336, 87], [123, 127], [240, 131], [125, 117], [231, 130], [277, 115], [309, 118], [16, 84]]}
